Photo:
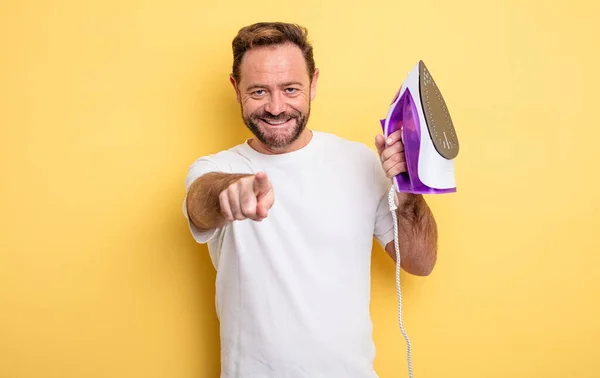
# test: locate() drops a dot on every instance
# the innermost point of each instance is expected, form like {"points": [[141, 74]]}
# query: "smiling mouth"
{"points": [[275, 122]]}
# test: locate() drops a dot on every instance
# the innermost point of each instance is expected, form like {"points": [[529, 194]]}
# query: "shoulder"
{"points": [[231, 160], [357, 159], [224, 159], [350, 150], [342, 144]]}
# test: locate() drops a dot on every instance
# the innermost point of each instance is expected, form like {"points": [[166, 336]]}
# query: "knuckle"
{"points": [[224, 196], [239, 184], [237, 213], [232, 189], [247, 210]]}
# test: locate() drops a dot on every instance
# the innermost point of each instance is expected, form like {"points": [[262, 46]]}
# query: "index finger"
{"points": [[394, 137], [261, 184]]}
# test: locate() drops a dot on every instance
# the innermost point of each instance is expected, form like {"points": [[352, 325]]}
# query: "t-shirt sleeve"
{"points": [[199, 167], [384, 223]]}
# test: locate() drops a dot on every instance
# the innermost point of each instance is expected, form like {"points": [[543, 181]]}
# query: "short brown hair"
{"points": [[271, 33]]}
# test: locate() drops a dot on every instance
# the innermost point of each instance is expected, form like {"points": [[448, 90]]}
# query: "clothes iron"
{"points": [[430, 146], [430, 141]]}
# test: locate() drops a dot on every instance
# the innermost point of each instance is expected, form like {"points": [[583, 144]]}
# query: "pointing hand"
{"points": [[250, 197]]}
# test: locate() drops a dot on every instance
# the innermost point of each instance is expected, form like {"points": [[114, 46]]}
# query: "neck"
{"points": [[303, 140]]}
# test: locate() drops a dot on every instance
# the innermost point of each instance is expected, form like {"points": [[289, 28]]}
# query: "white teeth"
{"points": [[276, 122]]}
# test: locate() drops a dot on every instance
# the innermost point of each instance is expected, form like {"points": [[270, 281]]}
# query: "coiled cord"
{"points": [[393, 208]]}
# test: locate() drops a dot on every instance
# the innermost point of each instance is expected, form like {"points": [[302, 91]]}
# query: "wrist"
{"points": [[401, 198], [407, 201]]}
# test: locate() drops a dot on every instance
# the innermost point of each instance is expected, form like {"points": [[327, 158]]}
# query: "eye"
{"points": [[290, 90], [259, 92]]}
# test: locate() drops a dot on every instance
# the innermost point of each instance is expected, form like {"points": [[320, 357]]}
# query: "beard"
{"points": [[277, 137]]}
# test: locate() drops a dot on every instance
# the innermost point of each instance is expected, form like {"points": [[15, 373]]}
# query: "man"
{"points": [[289, 217]]}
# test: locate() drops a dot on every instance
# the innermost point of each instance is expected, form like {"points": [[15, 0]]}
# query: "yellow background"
{"points": [[103, 106]]}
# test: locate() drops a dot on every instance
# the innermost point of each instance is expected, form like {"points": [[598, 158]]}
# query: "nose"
{"points": [[276, 104]]}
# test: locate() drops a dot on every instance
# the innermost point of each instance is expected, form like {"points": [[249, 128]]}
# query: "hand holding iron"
{"points": [[250, 197], [391, 153]]}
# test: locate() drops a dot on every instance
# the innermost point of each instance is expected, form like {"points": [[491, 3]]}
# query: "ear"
{"points": [[235, 87], [313, 84]]}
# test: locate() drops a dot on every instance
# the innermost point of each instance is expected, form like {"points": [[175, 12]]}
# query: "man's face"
{"points": [[275, 94]]}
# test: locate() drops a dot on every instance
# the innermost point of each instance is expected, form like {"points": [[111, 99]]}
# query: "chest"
{"points": [[331, 204]]}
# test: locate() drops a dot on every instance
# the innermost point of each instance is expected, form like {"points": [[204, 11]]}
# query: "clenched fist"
{"points": [[391, 152], [250, 197]]}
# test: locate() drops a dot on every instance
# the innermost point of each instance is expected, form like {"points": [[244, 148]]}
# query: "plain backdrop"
{"points": [[105, 104]]}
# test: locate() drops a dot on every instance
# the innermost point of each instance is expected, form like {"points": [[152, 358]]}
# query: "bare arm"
{"points": [[217, 198], [417, 235], [203, 205]]}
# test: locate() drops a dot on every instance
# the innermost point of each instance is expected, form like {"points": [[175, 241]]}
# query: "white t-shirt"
{"points": [[293, 291]]}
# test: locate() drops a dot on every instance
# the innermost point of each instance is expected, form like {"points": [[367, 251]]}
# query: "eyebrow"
{"points": [[286, 84]]}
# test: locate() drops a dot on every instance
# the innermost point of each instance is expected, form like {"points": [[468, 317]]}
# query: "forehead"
{"points": [[272, 65]]}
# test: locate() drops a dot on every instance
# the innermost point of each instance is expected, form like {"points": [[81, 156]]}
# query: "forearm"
{"points": [[203, 205], [417, 234]]}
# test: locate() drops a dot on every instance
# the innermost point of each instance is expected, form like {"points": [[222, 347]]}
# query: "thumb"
{"points": [[261, 184], [380, 143]]}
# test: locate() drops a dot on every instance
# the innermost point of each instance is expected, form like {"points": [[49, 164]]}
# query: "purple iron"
{"points": [[430, 141]]}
